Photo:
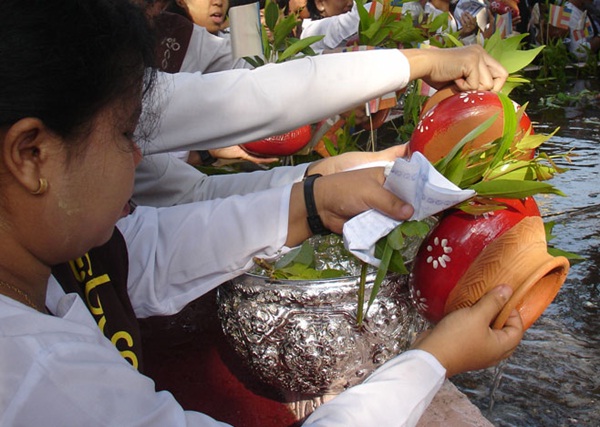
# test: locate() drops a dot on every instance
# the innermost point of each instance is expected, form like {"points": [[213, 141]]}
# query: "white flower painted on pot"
{"points": [[425, 121], [419, 302], [438, 253], [471, 97]]}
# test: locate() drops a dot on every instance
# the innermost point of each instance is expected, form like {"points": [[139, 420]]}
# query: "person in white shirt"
{"points": [[77, 267], [583, 38]]}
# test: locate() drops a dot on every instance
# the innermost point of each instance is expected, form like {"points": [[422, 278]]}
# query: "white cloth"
{"points": [[60, 371], [201, 111], [415, 181]]}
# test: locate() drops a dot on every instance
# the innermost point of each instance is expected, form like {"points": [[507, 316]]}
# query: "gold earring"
{"points": [[42, 187]]}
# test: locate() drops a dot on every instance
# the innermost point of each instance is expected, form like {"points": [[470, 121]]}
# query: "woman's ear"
{"points": [[182, 4], [320, 5], [25, 149]]}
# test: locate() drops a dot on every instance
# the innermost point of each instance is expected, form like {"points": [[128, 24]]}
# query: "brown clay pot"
{"points": [[465, 256], [520, 259]]}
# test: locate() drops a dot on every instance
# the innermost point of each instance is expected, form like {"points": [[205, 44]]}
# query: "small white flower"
{"points": [[439, 253]]}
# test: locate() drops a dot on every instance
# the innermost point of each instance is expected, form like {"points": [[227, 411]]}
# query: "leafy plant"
{"points": [[279, 44], [388, 28]]}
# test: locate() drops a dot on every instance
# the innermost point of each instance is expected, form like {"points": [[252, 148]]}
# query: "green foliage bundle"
{"points": [[278, 42]]}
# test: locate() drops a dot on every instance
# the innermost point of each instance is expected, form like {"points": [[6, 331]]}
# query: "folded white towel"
{"points": [[415, 181]]}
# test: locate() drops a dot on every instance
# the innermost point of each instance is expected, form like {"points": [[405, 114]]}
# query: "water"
{"points": [[553, 378]]}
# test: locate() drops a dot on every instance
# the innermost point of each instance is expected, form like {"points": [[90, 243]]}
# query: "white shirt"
{"points": [[61, 371], [337, 29], [201, 111], [164, 180], [578, 21], [208, 53]]}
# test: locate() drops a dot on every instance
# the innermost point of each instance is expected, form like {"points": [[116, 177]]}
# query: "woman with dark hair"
{"points": [[78, 266]]}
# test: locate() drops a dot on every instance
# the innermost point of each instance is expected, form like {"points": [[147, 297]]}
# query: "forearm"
{"points": [[237, 106], [162, 180], [179, 253]]}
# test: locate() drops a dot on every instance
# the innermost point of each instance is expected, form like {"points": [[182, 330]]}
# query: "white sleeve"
{"points": [[164, 180], [179, 253], [200, 111], [209, 53], [336, 29], [396, 394]]}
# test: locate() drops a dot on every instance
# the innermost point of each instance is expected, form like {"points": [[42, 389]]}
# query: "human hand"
{"points": [[468, 24], [464, 341], [236, 152], [469, 67], [341, 196], [353, 159]]}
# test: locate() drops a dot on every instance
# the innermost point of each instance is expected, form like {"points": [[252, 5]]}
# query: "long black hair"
{"points": [[62, 61]]}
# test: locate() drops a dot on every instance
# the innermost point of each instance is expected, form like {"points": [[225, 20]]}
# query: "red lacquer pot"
{"points": [[285, 144], [448, 116], [465, 256]]}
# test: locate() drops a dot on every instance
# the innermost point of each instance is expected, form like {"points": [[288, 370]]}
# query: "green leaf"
{"points": [[271, 14], [361, 293], [283, 31], [395, 239], [303, 254], [398, 263], [476, 208], [381, 273], [255, 61], [571, 256], [298, 46], [518, 59], [510, 189], [441, 164], [455, 170], [415, 228], [510, 127]]}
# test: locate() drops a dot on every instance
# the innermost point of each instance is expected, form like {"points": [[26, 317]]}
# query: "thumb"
{"points": [[492, 302]]}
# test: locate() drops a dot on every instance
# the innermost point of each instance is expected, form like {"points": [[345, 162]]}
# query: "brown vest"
{"points": [[173, 34], [100, 279]]}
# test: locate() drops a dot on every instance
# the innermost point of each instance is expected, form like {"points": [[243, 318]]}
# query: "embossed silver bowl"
{"points": [[302, 336]]}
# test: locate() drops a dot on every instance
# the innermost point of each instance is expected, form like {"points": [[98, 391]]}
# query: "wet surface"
{"points": [[553, 379]]}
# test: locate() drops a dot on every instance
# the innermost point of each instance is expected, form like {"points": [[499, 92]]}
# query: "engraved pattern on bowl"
{"points": [[302, 336]]}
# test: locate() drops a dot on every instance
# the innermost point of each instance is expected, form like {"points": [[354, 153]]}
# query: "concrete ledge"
{"points": [[452, 408]]}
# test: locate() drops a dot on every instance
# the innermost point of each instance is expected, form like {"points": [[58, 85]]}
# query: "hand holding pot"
{"points": [[464, 340], [470, 68]]}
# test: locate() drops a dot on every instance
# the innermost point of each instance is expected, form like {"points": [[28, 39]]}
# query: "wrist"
{"points": [[206, 159], [315, 224]]}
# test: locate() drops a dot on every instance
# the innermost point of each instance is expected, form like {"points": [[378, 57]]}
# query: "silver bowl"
{"points": [[303, 337]]}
